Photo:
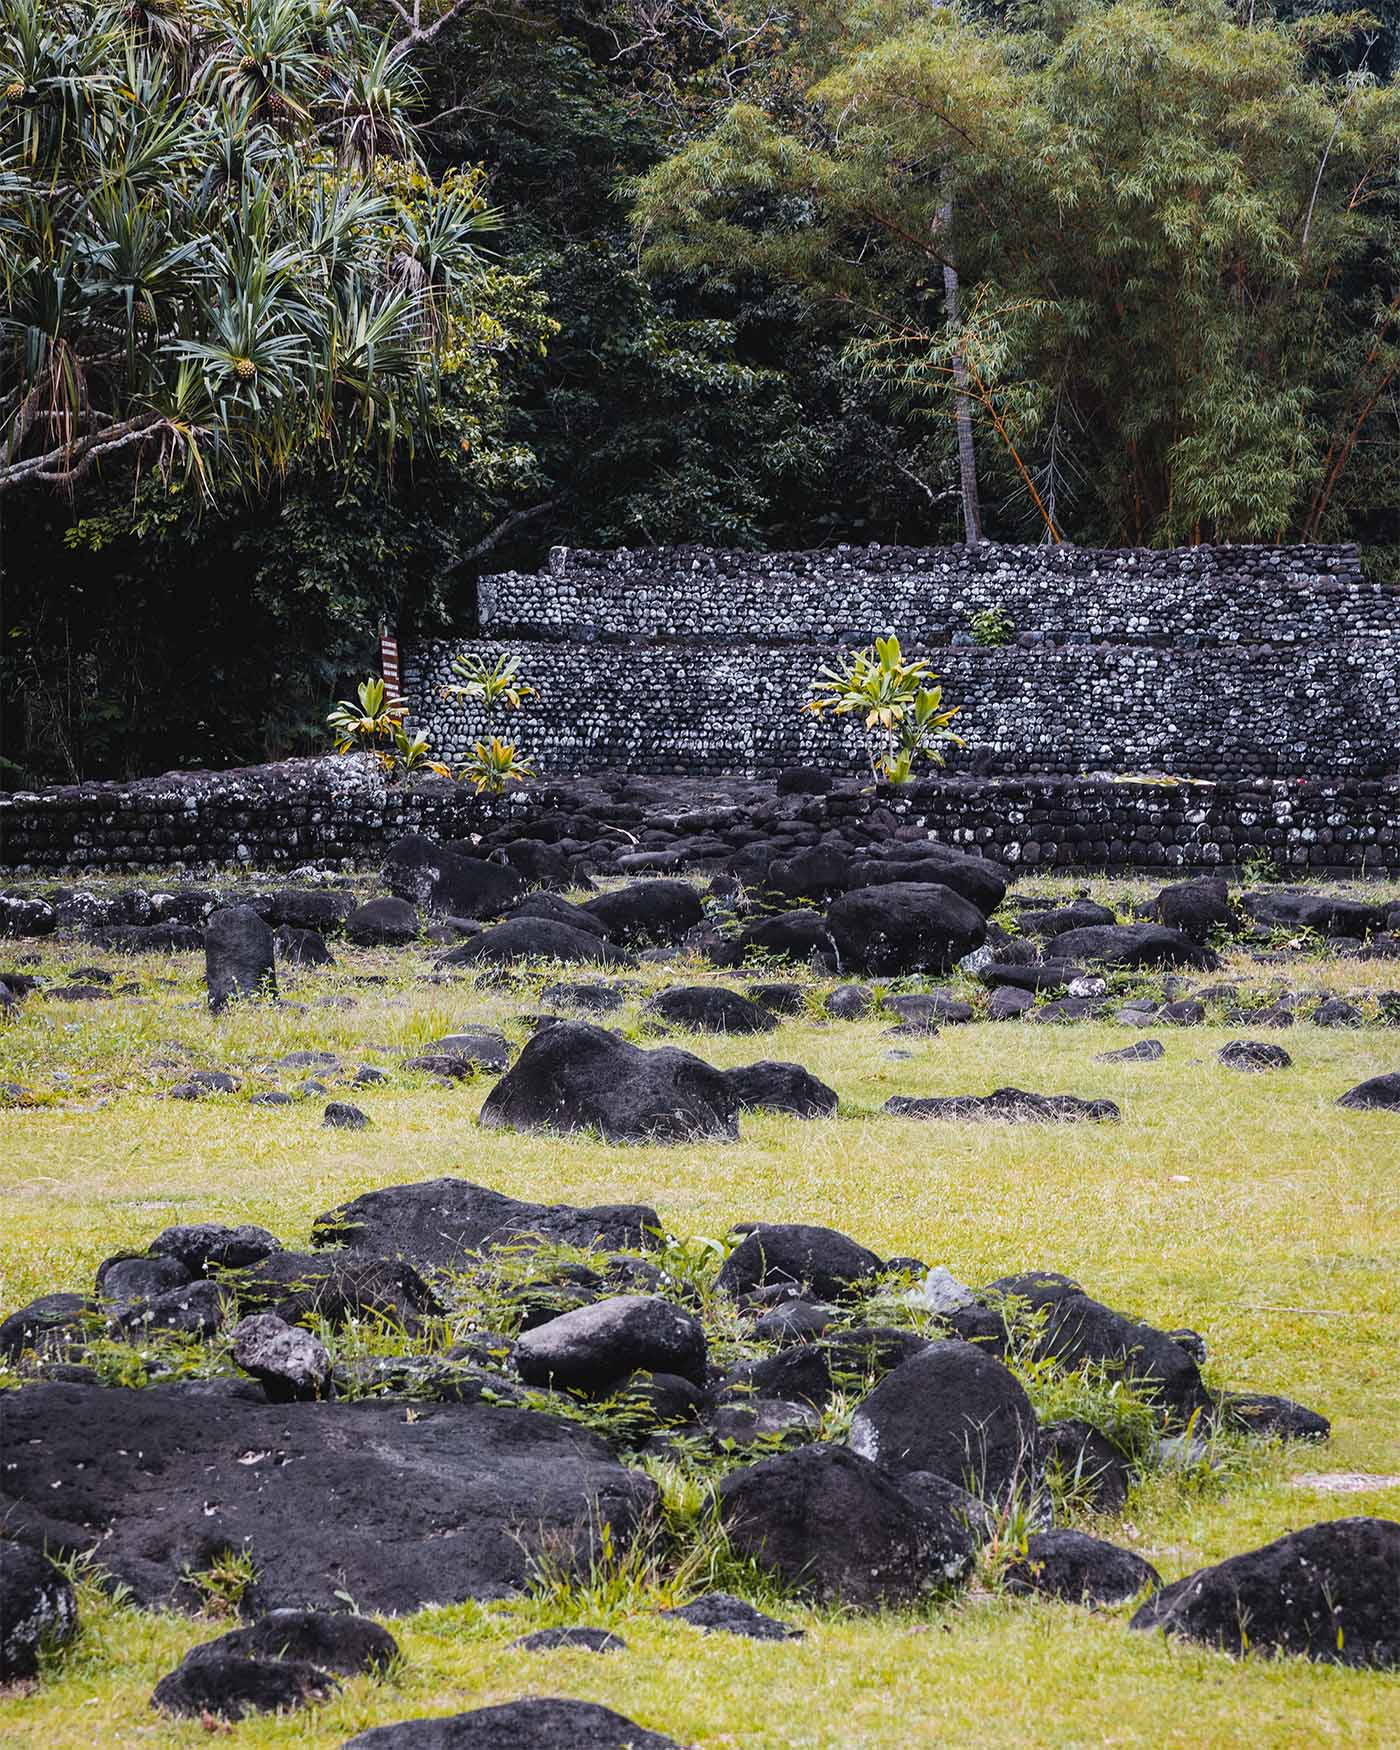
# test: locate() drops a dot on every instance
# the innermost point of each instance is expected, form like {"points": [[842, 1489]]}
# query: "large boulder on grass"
{"points": [[125, 1278], [1274, 1418], [1059, 920], [1378, 1094], [239, 957], [1008, 1105], [1043, 976], [290, 1364], [535, 938], [340, 1641], [540, 1722], [230, 1688], [977, 879], [26, 917], [840, 1530], [909, 926], [1073, 1329], [1078, 1569], [576, 1077], [1196, 908], [1330, 1592], [798, 1374], [48, 1327], [1253, 1056], [958, 1412], [817, 873], [398, 1511], [723, 1613], [438, 1224], [769, 1086], [543, 864], [1085, 1464], [710, 1008], [597, 1346], [653, 914], [316, 909], [459, 1055], [558, 910], [450, 885], [1134, 945], [828, 1263], [149, 938], [791, 935], [382, 923], [1296, 908], [332, 1287], [206, 1245], [302, 947]]}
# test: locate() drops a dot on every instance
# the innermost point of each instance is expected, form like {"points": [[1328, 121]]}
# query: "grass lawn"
{"points": [[1245, 1206]]}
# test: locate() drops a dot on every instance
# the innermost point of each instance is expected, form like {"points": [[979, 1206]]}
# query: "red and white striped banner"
{"points": [[389, 663]]}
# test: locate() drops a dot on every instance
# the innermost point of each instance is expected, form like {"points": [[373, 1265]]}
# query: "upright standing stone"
{"points": [[238, 956]]}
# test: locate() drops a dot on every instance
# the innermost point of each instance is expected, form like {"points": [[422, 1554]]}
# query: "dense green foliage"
{"points": [[253, 343], [220, 261], [1177, 252], [714, 309]]}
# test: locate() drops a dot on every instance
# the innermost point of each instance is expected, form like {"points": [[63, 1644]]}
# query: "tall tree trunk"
{"points": [[962, 403]]}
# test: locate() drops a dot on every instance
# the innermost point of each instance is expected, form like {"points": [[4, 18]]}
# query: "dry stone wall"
{"points": [[1205, 595], [318, 811], [1271, 674], [1225, 662]]}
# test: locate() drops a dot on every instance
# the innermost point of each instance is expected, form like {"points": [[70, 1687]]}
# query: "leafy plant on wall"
{"points": [[899, 705]]}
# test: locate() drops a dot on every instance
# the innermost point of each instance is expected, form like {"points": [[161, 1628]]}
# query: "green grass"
{"points": [[1246, 1206]]}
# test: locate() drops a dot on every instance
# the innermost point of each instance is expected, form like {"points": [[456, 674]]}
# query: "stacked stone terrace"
{"points": [[1225, 662]]}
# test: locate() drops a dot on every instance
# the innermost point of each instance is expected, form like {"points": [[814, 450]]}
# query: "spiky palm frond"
{"points": [[258, 54], [366, 112], [203, 245]]}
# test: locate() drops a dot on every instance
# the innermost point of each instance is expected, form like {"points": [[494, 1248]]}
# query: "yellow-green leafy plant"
{"points": [[493, 764], [373, 721], [489, 683], [366, 721], [411, 753], [899, 704]]}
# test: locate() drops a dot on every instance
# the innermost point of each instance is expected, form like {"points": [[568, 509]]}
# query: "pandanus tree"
{"points": [[220, 256]]}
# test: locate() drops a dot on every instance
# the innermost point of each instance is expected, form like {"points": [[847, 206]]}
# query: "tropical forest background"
{"points": [[312, 313]]}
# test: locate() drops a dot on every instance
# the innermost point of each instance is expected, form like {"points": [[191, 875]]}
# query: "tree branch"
{"points": [[420, 35], [65, 465], [493, 537]]}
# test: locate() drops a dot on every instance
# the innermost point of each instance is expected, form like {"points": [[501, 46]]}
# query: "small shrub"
{"points": [[367, 720], [899, 704], [373, 722], [489, 683], [992, 628], [493, 764], [1259, 869], [222, 1584], [147, 1357]]}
